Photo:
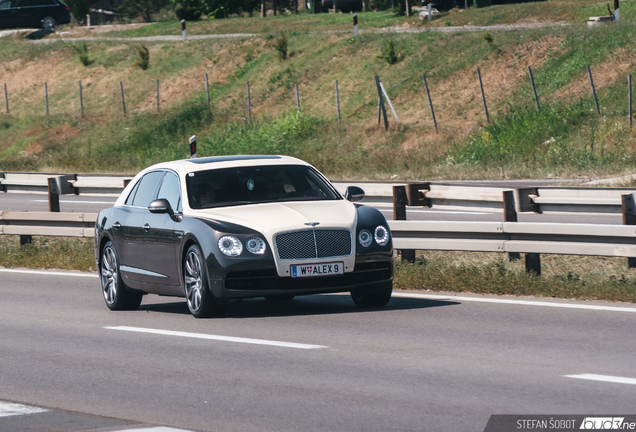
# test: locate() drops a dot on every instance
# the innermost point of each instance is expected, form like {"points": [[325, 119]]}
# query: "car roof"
{"points": [[185, 166]]}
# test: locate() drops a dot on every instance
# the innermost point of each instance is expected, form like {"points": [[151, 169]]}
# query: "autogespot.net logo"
{"points": [[606, 423]]}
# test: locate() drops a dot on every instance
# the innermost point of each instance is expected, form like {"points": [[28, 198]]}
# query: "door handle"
{"points": [[116, 225], [146, 227]]}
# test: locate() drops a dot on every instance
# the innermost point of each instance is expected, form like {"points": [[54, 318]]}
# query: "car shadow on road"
{"points": [[298, 306]]}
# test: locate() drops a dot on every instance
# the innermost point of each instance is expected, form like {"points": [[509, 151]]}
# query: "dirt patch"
{"points": [[606, 74], [52, 138]]}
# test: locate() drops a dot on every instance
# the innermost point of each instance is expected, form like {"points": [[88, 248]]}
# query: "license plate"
{"points": [[309, 270]]}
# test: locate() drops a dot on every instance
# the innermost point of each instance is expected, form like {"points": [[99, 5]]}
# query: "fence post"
{"points": [[123, 100], [46, 97], [510, 215], [249, 103], [400, 200], [207, 91], [297, 98], [628, 205], [54, 195], [6, 98], [430, 102], [629, 92], [337, 102], [157, 96], [81, 99], [386, 95], [534, 89], [589, 72], [483, 95], [355, 24], [381, 108]]}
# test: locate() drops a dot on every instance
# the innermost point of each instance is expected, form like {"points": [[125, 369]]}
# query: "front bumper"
{"points": [[369, 272]]}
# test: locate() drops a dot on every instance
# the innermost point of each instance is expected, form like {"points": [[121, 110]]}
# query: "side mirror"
{"points": [[160, 206], [354, 193]]}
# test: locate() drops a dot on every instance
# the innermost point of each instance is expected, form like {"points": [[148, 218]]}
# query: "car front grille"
{"points": [[307, 244]]}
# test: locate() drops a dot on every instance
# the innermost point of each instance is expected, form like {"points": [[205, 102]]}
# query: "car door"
{"points": [[161, 243], [8, 13], [128, 228]]}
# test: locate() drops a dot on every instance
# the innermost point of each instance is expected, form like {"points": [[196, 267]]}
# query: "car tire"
{"points": [[116, 295], [201, 302], [372, 298], [48, 23]]}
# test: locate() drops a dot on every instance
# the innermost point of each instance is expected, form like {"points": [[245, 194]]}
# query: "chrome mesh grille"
{"points": [[313, 244]]}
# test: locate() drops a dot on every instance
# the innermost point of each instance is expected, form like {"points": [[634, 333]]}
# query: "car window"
{"points": [[170, 190], [259, 184], [147, 189], [5, 4], [131, 195]]}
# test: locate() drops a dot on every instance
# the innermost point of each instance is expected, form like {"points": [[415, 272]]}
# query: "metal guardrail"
{"points": [[48, 224], [68, 184], [532, 239], [428, 194]]}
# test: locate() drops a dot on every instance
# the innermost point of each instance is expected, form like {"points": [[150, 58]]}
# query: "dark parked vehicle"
{"points": [[224, 228], [33, 13]]}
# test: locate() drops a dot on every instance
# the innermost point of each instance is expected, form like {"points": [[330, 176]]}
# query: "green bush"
{"points": [[280, 45], [81, 49], [387, 51], [143, 57]]}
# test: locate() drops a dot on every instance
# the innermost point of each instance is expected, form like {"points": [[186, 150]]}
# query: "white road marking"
{"points": [[218, 338], [49, 273], [77, 202], [154, 429], [604, 378], [514, 302], [12, 409]]}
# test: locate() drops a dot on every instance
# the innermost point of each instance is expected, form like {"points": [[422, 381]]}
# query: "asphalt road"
{"points": [[93, 204], [310, 364]]}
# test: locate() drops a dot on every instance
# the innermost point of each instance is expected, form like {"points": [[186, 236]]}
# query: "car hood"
{"points": [[272, 218]]}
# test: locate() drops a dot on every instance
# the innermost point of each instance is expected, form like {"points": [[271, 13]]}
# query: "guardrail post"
{"points": [[629, 218], [400, 200], [414, 195], [510, 215], [54, 195], [25, 239], [533, 263]]}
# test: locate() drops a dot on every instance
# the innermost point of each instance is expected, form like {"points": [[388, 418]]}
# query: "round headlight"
{"points": [[365, 238], [381, 235], [255, 245], [230, 246]]}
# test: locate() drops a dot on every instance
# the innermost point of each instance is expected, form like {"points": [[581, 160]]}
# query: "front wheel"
{"points": [[200, 300], [116, 295], [372, 297]]}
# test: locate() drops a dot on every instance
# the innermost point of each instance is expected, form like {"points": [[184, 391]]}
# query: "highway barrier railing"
{"points": [[532, 239], [427, 194], [27, 224]]}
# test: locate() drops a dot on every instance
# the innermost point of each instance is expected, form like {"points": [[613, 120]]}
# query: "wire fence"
{"points": [[382, 101]]}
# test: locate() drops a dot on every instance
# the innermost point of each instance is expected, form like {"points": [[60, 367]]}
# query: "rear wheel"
{"points": [[116, 295], [373, 298], [48, 23], [200, 300]]}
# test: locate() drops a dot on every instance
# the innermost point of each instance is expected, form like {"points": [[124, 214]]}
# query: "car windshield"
{"points": [[259, 184]]}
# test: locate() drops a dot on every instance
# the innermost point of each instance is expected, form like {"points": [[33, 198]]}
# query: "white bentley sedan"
{"points": [[222, 228]]}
